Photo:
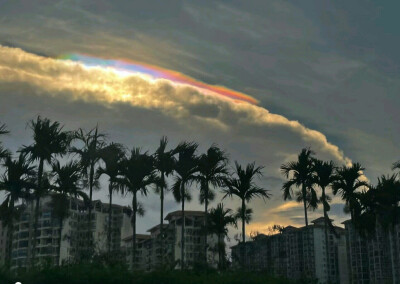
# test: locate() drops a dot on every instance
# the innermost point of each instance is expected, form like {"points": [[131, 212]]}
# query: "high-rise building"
{"points": [[374, 256], [54, 247], [296, 252], [149, 253], [3, 244], [143, 251]]}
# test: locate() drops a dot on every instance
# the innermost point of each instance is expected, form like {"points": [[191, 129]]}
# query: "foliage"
{"points": [[3, 152], [100, 274], [300, 174]]}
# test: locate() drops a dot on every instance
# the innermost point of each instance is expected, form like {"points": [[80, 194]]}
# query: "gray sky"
{"points": [[325, 73]]}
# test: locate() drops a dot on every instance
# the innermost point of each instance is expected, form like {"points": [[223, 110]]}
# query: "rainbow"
{"points": [[157, 73]]}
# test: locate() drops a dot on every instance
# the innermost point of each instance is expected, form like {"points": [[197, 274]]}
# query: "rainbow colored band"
{"points": [[157, 73]]}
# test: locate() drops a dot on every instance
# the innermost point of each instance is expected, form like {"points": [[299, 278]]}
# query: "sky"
{"points": [[320, 74]]}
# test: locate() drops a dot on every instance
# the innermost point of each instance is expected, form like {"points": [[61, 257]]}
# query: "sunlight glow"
{"points": [[129, 67]]}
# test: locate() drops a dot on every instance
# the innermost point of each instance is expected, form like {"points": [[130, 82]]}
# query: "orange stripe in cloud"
{"points": [[158, 72]]}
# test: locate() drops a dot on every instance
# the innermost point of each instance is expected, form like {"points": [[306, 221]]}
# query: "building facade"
{"points": [[55, 247], [297, 252], [374, 257], [150, 254], [3, 244]]}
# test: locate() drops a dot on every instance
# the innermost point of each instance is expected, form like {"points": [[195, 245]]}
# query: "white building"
{"points": [[74, 241], [194, 238], [374, 257], [3, 244], [149, 253], [298, 252]]}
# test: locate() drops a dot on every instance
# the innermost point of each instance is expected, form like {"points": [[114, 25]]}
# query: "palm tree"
{"points": [[49, 141], [243, 186], [163, 164], [4, 153], [111, 155], [186, 167], [16, 182], [396, 166], [218, 220], [300, 175], [137, 174], [324, 177], [347, 185], [212, 172], [89, 157], [387, 199], [248, 214], [66, 184]]}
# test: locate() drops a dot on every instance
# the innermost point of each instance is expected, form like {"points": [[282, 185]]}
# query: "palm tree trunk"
{"points": [[219, 252], [392, 255], [183, 228], [10, 230], [134, 207], [244, 231], [306, 258], [162, 219], [91, 178], [35, 223], [110, 187], [205, 224], [304, 193], [59, 247], [326, 232]]}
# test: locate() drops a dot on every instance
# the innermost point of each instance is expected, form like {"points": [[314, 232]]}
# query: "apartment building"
{"points": [[54, 247], [374, 257], [194, 238], [3, 244], [297, 252], [150, 254], [143, 251]]}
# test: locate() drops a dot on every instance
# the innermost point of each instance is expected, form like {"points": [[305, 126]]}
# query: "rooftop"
{"points": [[187, 214], [139, 237], [156, 227]]}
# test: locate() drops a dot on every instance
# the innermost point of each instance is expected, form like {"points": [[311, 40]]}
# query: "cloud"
{"points": [[136, 110]]}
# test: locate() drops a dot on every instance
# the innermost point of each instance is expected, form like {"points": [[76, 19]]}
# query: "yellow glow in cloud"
{"points": [[106, 86]]}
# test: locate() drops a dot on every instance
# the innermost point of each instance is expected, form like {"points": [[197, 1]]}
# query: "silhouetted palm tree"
{"points": [[248, 214], [163, 164], [49, 141], [111, 155], [4, 153], [242, 185], [396, 166], [16, 183], [324, 177], [347, 185], [300, 175], [389, 189], [218, 220], [385, 199], [66, 184], [212, 172], [137, 174], [186, 167], [89, 157]]}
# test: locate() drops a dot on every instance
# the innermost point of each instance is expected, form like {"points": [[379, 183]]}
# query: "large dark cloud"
{"points": [[137, 111], [333, 66]]}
